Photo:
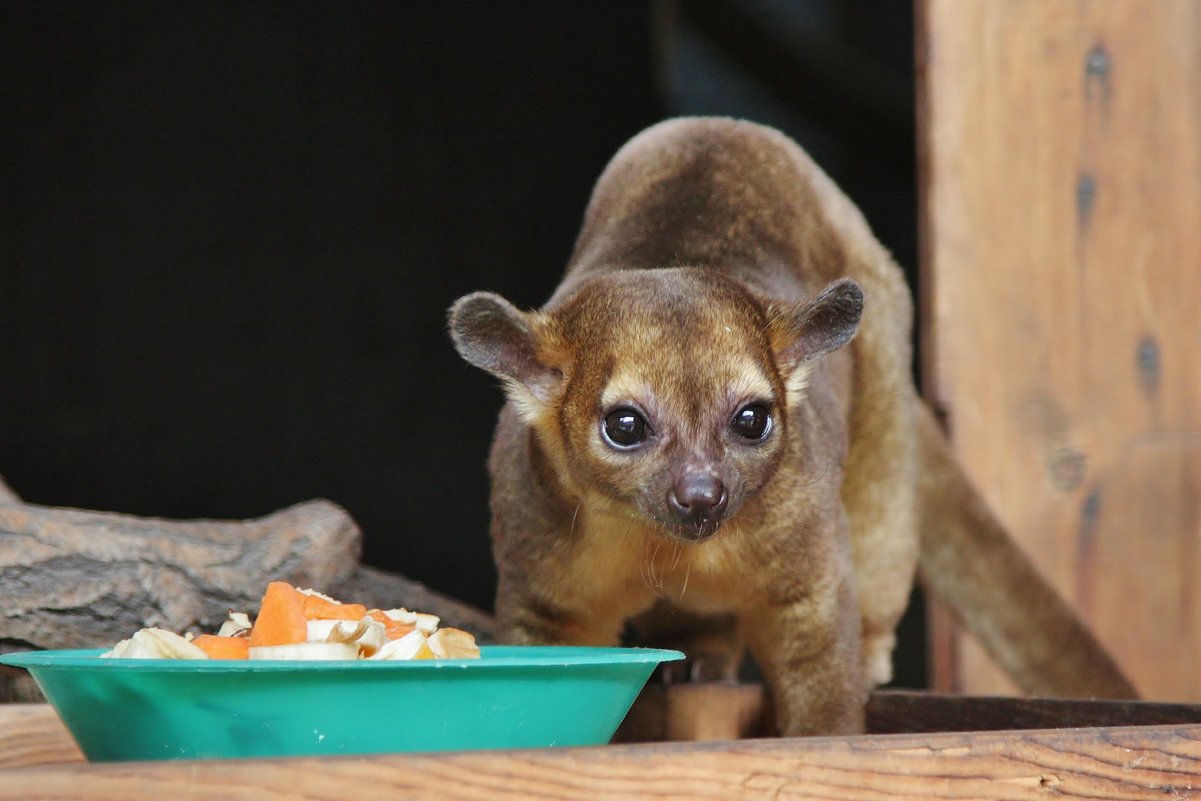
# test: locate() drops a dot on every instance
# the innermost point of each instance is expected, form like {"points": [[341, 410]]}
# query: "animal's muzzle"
{"points": [[698, 501]]}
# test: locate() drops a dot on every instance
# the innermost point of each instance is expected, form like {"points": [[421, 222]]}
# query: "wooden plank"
{"points": [[897, 712], [1061, 222], [1120, 763], [32, 734]]}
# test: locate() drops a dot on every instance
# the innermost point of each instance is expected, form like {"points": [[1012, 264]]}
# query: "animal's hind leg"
{"points": [[880, 496]]}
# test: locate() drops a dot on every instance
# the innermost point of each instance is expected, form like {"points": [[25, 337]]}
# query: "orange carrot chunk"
{"points": [[318, 608], [281, 619], [223, 647], [393, 629]]}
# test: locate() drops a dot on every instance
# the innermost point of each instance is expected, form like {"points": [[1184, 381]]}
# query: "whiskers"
{"points": [[574, 515], [655, 573], [820, 477], [648, 570], [677, 549]]}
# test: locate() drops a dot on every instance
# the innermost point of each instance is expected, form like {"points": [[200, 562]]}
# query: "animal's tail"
{"points": [[970, 563]]}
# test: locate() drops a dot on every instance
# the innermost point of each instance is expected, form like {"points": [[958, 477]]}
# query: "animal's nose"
{"points": [[698, 499]]}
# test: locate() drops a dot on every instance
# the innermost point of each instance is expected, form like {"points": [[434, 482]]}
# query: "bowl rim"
{"points": [[492, 656]]}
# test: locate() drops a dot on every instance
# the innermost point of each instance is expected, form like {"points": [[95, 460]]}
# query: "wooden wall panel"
{"points": [[1060, 145]]}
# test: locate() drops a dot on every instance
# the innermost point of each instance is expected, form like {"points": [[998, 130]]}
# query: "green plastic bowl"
{"points": [[512, 697]]}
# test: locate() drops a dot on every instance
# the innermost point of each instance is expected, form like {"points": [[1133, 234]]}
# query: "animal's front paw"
{"points": [[698, 668], [877, 658]]}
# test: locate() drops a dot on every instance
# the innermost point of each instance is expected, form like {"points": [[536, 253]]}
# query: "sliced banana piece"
{"points": [[414, 645], [155, 643], [236, 624], [422, 621], [369, 634], [307, 651], [450, 643], [310, 591]]}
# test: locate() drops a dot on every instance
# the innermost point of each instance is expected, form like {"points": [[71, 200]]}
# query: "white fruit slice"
{"points": [[369, 634], [307, 651], [237, 623], [373, 638], [450, 643], [414, 645], [334, 630], [423, 622], [156, 643], [315, 594]]}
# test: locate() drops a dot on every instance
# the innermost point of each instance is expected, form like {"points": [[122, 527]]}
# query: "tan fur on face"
{"points": [[685, 348]]}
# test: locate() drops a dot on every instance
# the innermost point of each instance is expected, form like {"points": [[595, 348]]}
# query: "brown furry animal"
{"points": [[715, 413]]}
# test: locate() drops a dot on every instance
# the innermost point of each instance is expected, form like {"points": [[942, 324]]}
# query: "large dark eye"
{"points": [[625, 428], [752, 421]]}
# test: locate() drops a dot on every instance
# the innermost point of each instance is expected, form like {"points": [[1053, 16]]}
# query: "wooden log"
{"points": [[71, 578], [1143, 762], [16, 686]]}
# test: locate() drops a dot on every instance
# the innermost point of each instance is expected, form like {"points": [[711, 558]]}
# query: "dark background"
{"points": [[229, 231]]}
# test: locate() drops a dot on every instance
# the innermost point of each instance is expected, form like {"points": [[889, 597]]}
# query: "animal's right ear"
{"points": [[803, 331], [494, 335]]}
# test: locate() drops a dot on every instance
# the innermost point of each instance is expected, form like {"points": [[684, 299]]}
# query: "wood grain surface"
{"points": [[32, 734], [1119, 763], [38, 760], [1060, 148]]}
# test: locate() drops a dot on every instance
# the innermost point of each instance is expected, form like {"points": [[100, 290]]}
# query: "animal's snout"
{"points": [[698, 499]]}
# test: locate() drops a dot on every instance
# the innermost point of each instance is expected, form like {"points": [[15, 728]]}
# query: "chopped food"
{"points": [[218, 647], [236, 625], [320, 607], [303, 624], [157, 644], [451, 643], [281, 619], [414, 645], [307, 651]]}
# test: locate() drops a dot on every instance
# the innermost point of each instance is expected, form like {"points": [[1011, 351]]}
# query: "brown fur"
{"points": [[719, 267]]}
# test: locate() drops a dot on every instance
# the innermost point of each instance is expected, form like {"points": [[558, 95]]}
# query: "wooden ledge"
{"points": [[1112, 762]]}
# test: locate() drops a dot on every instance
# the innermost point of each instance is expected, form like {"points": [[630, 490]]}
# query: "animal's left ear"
{"points": [[803, 331], [492, 334]]}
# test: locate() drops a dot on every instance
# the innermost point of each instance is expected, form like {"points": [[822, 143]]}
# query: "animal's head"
{"points": [[662, 394]]}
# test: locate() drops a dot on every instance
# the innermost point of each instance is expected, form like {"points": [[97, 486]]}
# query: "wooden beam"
{"points": [[904, 712], [1060, 164]]}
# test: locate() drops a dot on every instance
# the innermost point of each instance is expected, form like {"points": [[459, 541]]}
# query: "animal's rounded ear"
{"points": [[819, 325], [492, 334]]}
